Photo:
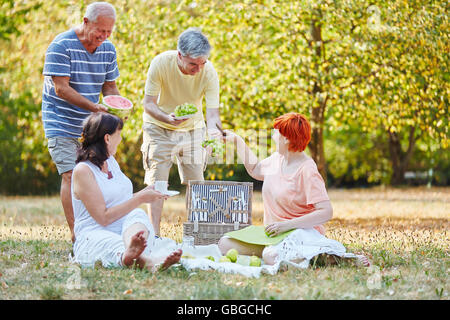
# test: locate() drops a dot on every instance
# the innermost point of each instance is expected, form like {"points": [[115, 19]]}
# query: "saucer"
{"points": [[170, 193]]}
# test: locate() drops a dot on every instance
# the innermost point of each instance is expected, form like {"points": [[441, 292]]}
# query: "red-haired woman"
{"points": [[294, 197]]}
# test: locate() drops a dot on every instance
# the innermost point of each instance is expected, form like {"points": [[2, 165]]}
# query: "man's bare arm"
{"points": [[213, 122], [66, 92], [110, 88], [151, 107]]}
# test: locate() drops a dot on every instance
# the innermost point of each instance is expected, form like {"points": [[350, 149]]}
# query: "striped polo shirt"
{"points": [[67, 57]]}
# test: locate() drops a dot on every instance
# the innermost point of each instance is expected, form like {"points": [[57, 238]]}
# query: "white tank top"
{"points": [[115, 191]]}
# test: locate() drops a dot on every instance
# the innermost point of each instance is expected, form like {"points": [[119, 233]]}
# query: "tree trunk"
{"points": [[317, 120], [316, 146], [399, 158]]}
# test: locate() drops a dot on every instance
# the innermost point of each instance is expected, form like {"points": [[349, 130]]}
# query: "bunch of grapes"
{"points": [[218, 147], [185, 109]]}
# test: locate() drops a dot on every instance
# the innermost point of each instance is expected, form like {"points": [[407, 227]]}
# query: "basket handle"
{"points": [[195, 226]]}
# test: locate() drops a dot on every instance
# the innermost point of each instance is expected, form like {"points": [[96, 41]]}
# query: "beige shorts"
{"points": [[63, 151], [162, 147]]}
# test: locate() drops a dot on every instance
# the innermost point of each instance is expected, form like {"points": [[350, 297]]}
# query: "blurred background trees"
{"points": [[372, 79]]}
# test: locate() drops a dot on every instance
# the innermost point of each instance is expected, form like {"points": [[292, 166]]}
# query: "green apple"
{"points": [[255, 261], [232, 254], [211, 258], [224, 259], [266, 232], [243, 260]]}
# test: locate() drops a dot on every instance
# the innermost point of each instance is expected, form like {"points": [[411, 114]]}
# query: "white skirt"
{"points": [[295, 250], [106, 244]]}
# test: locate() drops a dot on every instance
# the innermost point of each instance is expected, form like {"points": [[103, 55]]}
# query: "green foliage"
{"points": [[354, 157], [359, 71], [51, 293], [12, 15], [25, 165]]}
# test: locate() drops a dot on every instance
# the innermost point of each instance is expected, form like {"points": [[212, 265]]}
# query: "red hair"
{"points": [[296, 128]]}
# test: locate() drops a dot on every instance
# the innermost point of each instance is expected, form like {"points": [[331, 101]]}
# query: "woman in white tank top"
{"points": [[109, 225]]}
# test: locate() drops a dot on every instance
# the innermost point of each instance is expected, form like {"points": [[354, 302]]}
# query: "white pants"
{"points": [[106, 244]]}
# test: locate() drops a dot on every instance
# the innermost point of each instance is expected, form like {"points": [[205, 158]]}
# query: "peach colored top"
{"points": [[287, 197]]}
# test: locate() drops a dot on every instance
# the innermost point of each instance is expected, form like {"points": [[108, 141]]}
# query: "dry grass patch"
{"points": [[403, 231]]}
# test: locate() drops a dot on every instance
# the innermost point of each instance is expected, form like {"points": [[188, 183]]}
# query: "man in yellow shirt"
{"points": [[176, 77]]}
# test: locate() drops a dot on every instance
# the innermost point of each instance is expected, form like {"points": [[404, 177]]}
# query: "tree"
{"points": [[384, 64], [13, 15], [408, 94], [18, 165], [363, 74]]}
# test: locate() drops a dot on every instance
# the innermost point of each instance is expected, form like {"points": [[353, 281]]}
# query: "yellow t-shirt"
{"points": [[165, 79]]}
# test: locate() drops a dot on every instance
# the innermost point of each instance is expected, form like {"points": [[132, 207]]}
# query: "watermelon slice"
{"points": [[118, 105]]}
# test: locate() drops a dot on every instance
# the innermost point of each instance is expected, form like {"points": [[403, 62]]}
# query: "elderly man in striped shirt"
{"points": [[79, 65]]}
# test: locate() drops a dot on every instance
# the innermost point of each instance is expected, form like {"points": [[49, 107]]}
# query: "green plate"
{"points": [[257, 235]]}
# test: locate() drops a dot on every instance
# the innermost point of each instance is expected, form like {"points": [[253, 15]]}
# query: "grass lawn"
{"points": [[403, 231]]}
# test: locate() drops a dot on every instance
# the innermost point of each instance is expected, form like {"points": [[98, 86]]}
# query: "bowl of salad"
{"points": [[185, 111]]}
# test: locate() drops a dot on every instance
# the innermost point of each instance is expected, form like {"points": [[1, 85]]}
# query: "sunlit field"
{"points": [[403, 231]]}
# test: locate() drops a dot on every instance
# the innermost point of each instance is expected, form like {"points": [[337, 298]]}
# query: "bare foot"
{"points": [[133, 252], [363, 260], [325, 260], [171, 259]]}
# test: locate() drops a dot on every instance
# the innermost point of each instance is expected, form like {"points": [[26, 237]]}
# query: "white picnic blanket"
{"points": [[300, 246]]}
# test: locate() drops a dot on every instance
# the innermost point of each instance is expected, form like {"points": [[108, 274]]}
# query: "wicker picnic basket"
{"points": [[217, 207]]}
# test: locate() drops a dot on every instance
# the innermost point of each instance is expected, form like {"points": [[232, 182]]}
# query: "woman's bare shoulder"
{"points": [[82, 169]]}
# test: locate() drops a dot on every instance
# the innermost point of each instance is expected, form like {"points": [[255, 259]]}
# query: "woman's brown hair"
{"points": [[93, 146]]}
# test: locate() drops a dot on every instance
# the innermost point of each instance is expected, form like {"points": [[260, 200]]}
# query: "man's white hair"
{"points": [[193, 43], [96, 9]]}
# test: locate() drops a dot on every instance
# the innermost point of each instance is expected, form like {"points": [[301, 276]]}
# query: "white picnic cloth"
{"points": [[300, 246]]}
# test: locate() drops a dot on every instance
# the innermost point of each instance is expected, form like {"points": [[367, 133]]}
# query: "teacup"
{"points": [[161, 186]]}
